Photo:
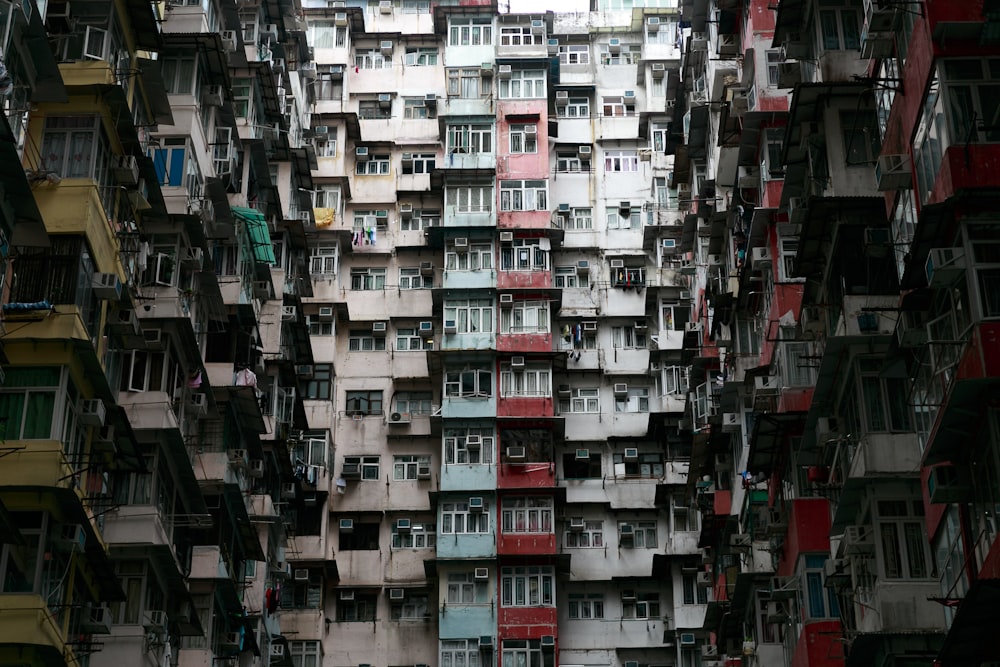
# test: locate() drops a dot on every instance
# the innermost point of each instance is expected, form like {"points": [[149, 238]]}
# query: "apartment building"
{"points": [[846, 261]]}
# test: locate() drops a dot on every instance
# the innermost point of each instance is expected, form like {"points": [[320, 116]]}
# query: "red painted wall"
{"points": [[972, 166], [526, 544], [526, 622], [535, 475], [819, 645], [524, 279], [524, 342], [808, 532], [525, 407]]}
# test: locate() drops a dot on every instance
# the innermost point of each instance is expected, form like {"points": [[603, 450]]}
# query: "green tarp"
{"points": [[260, 238]]}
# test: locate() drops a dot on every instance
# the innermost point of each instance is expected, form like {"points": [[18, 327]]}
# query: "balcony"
{"points": [[455, 407], [209, 563], [524, 342], [33, 635]]}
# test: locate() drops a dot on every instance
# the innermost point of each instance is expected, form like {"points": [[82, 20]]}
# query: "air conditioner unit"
{"points": [[307, 70], [304, 370], [212, 96], [668, 244], [361, 153], [562, 95], [461, 242], [766, 385], [576, 524], [614, 45], [626, 530], [798, 209], [506, 237], [288, 313], [229, 40], [947, 484], [301, 575], [621, 389], [503, 71], [629, 96], [96, 620], [426, 327], [423, 471], [740, 541], [548, 642], [617, 264], [688, 639], [777, 614], [238, 457], [450, 327], [583, 266], [790, 74], [486, 643], [403, 525], [684, 295], [590, 325], [653, 23], [385, 6], [730, 422], [386, 47], [631, 454], [582, 455], [858, 540], [385, 100], [347, 526], [640, 324], [692, 327], [628, 595], [92, 412], [321, 129], [486, 69], [553, 46], [705, 579], [340, 18], [944, 266], [256, 468], [795, 47], [399, 418], [761, 258], [584, 150], [154, 621], [347, 596], [125, 169], [351, 470], [516, 453], [517, 362], [476, 504], [481, 573], [277, 651], [530, 129], [325, 313], [565, 391], [473, 441], [288, 490], [379, 327], [397, 594]]}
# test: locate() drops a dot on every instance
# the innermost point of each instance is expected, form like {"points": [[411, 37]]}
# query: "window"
{"points": [[582, 400], [685, 518], [527, 587], [421, 56], [571, 163], [318, 387], [28, 403], [788, 247], [524, 138], [523, 84], [329, 87], [840, 29], [471, 445], [637, 534], [77, 147], [364, 402], [459, 652], [820, 601], [568, 276], [519, 35], [370, 59], [377, 165], [416, 6], [470, 32], [417, 109], [628, 54], [862, 142], [326, 144], [180, 75], [413, 608], [421, 219], [311, 448], [411, 278], [882, 401], [470, 199], [525, 255], [365, 341], [693, 593], [590, 537], [321, 327], [621, 161], [624, 218], [530, 382], [457, 519], [629, 338], [304, 594], [406, 467], [362, 608], [574, 54], [904, 548], [468, 83], [413, 403], [530, 514], [523, 195], [579, 219], [418, 163], [367, 279], [468, 257], [469, 315], [675, 380], [325, 35], [306, 653], [582, 467], [773, 59], [645, 605], [586, 606], [367, 465], [525, 317], [409, 339], [374, 110], [420, 536], [522, 653], [463, 588], [644, 465], [575, 107], [364, 536], [469, 383], [617, 106]]}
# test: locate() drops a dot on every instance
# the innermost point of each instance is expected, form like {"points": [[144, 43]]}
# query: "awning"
{"points": [[28, 229], [257, 233], [873, 648], [768, 439], [965, 646]]}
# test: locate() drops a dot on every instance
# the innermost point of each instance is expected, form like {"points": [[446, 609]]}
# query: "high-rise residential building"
{"points": [[389, 333]]}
